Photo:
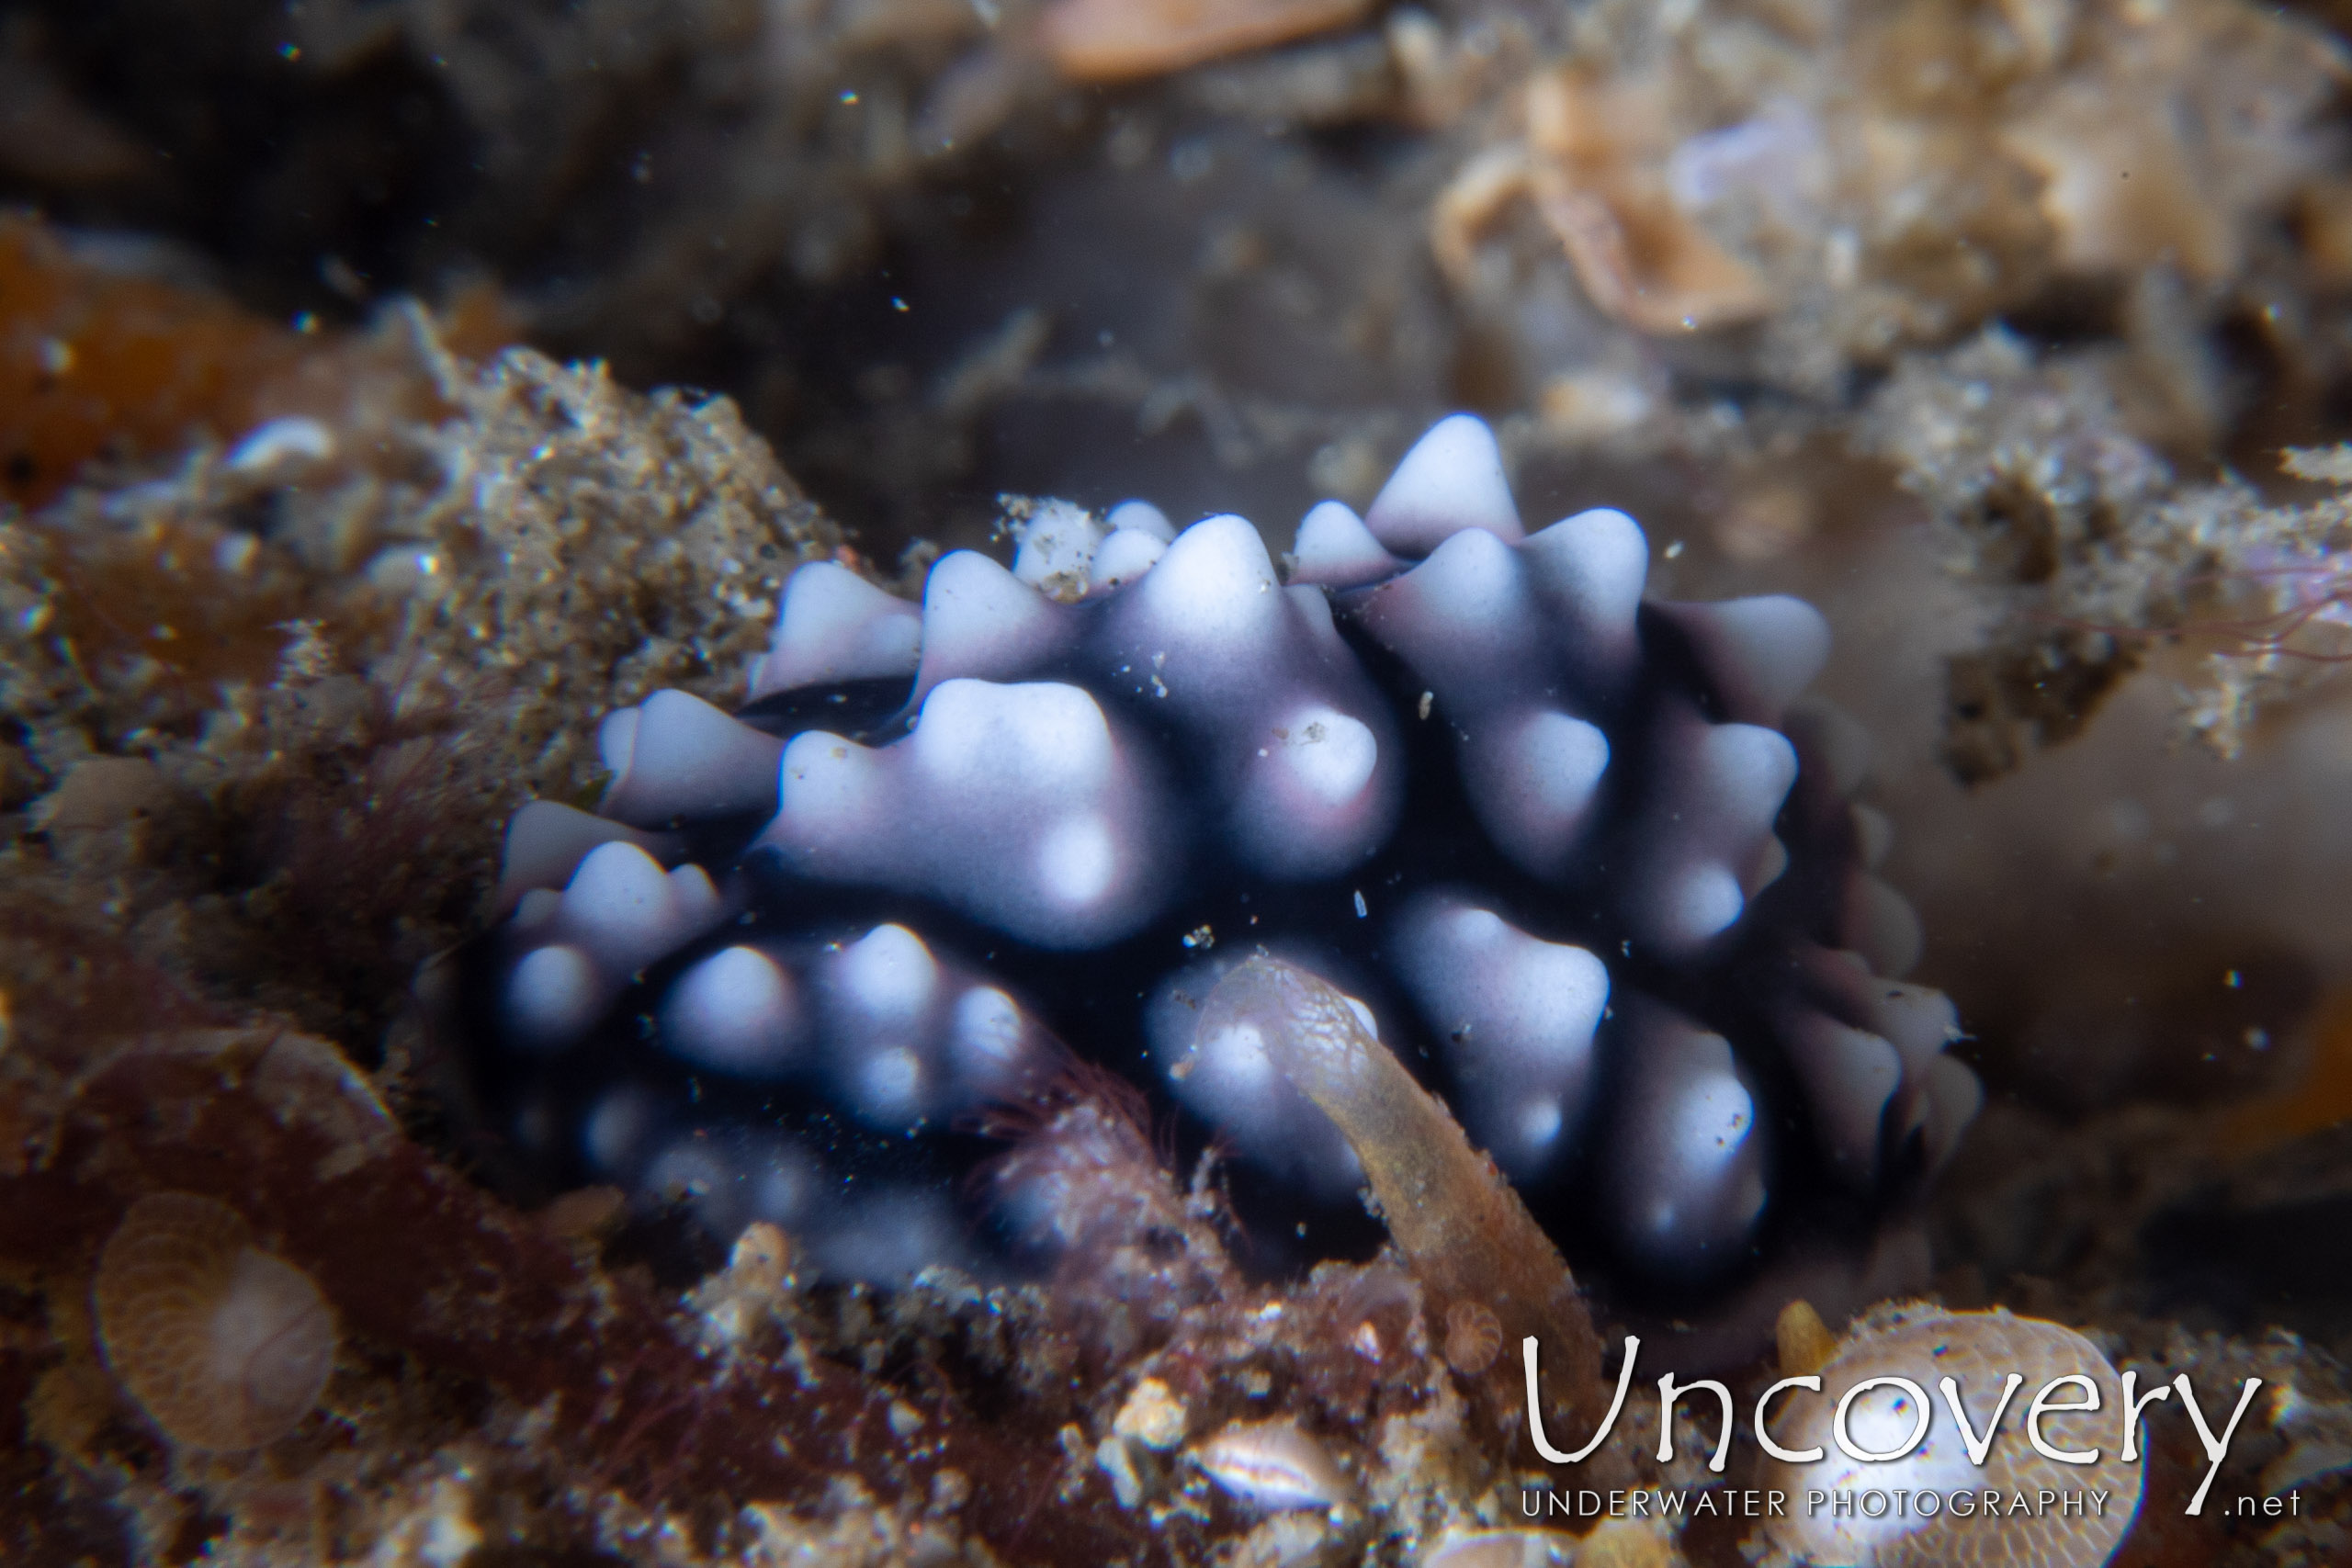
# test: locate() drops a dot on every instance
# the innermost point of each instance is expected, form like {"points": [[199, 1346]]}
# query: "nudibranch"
{"points": [[1585, 861]]}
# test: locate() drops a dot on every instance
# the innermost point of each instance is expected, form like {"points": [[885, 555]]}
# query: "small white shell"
{"points": [[1273, 1465]]}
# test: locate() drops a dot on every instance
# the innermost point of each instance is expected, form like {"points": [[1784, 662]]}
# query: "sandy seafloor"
{"points": [[1986, 325]]}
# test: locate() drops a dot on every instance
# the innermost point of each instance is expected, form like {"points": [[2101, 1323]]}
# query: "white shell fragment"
{"points": [[1054, 549], [1971, 1357], [1273, 1465], [280, 443]]}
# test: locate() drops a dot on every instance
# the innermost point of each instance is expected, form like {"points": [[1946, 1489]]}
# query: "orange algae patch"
{"points": [[2318, 1099], [171, 595], [98, 362], [93, 363], [1115, 41]]}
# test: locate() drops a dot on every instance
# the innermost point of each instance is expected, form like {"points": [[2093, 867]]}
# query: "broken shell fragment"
{"points": [[1273, 1465], [1116, 40], [1921, 1356], [224, 1346]]}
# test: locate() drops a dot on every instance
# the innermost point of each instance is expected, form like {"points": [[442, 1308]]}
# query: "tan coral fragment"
{"points": [[1601, 183], [2189, 124], [1593, 162]]}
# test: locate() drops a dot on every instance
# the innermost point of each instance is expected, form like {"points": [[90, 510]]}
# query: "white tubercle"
{"points": [[1879, 923], [626, 912], [537, 905], [1465, 620], [1334, 550], [1874, 835], [979, 620], [1919, 1021], [837, 626], [1126, 555], [546, 841], [886, 982], [553, 996], [1264, 690], [1015, 803], [1685, 1166], [1212, 604], [1314, 798], [783, 1184], [683, 758], [1452, 479], [1759, 653], [1702, 838], [1533, 779], [1517, 1016], [616, 738], [832, 789], [1052, 738], [1832, 741], [1588, 571], [737, 1012], [989, 1041], [1850, 1075], [1954, 1095], [615, 1133], [881, 1014], [1140, 517]]}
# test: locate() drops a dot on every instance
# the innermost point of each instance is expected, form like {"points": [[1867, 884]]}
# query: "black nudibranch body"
{"points": [[1589, 864]]}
